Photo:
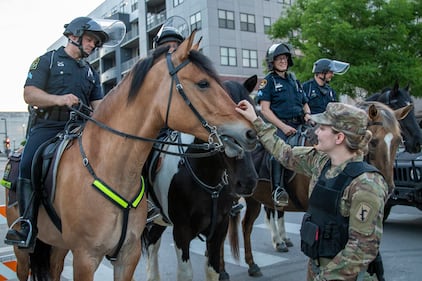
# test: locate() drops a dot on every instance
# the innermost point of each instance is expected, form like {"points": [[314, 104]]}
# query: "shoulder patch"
{"points": [[34, 64], [263, 83], [362, 212]]}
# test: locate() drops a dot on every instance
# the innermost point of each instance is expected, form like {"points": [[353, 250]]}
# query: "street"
{"points": [[400, 248]]}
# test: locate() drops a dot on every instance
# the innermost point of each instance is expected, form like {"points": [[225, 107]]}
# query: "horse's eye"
{"points": [[374, 142], [203, 84]]}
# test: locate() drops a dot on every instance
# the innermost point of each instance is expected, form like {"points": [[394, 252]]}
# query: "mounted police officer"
{"points": [[56, 81], [284, 104], [318, 90], [341, 231]]}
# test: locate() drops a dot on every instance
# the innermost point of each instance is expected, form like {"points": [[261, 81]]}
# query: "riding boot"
{"points": [[28, 208], [279, 194]]}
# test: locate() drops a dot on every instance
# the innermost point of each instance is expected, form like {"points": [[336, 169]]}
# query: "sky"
{"points": [[27, 29]]}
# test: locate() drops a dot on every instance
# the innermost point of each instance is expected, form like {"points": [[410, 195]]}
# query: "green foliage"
{"points": [[381, 39]]}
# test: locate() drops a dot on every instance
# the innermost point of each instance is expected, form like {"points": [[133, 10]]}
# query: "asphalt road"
{"points": [[401, 249]]}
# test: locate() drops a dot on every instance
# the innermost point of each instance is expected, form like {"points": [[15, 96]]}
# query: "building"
{"points": [[233, 33]]}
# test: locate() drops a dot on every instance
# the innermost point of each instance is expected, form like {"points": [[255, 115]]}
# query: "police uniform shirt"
{"points": [[318, 96], [285, 95], [59, 74]]}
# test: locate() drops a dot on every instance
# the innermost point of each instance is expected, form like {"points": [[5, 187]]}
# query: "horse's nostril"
{"points": [[251, 134]]}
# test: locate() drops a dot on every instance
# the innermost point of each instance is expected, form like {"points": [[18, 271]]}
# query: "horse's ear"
{"points": [[250, 83], [196, 45], [402, 112], [182, 52], [372, 111], [407, 87]]}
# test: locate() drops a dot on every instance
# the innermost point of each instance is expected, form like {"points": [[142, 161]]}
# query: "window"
{"points": [[225, 19], [177, 2], [195, 21], [247, 22], [250, 58], [267, 24], [133, 5], [228, 56], [286, 2]]}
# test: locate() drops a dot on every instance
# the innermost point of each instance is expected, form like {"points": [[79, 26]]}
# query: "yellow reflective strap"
{"points": [[6, 183], [141, 194], [110, 193]]}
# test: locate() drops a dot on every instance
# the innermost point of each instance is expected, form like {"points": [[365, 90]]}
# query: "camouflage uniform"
{"points": [[366, 194]]}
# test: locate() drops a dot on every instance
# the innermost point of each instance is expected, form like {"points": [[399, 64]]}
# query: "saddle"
{"points": [[262, 158], [43, 171]]}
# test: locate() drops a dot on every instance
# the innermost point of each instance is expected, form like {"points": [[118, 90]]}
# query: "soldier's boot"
{"points": [[28, 207], [279, 194]]}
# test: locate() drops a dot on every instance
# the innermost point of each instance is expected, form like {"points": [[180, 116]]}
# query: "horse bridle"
{"points": [[214, 144]]}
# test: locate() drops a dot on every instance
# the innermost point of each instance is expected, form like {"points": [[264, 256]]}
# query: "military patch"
{"points": [[362, 212], [34, 64], [263, 83]]}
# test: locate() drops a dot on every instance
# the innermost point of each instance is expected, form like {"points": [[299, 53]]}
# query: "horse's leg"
{"points": [[84, 265], [253, 208], [272, 221], [282, 229], [22, 264], [153, 245], [233, 235], [127, 260], [57, 262], [214, 245], [182, 238]]}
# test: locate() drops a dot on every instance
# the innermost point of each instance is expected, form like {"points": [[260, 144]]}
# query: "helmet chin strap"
{"points": [[79, 45]]}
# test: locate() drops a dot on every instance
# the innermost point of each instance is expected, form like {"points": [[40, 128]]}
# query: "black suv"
{"points": [[408, 182]]}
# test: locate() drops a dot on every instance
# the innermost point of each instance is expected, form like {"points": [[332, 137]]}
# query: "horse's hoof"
{"points": [[288, 242], [224, 276], [281, 247], [254, 270]]}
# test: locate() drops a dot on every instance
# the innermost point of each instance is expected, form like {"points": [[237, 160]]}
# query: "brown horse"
{"points": [[111, 151], [382, 149]]}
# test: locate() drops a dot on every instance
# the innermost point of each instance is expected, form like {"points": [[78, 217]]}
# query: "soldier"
{"points": [[318, 89], [342, 229]]}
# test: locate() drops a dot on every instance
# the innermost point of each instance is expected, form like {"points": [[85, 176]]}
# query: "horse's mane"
{"points": [[389, 120], [141, 68]]}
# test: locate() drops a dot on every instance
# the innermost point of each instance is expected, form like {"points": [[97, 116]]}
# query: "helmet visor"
{"points": [[339, 67], [115, 29]]}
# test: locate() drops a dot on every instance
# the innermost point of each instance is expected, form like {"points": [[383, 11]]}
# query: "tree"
{"points": [[381, 39]]}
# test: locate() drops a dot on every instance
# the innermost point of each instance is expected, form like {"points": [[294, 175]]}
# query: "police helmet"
{"points": [[175, 29], [325, 65], [79, 25], [276, 50]]}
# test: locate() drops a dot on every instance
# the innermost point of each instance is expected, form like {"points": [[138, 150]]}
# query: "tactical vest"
{"points": [[324, 231]]}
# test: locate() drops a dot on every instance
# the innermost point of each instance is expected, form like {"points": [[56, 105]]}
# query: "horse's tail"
{"points": [[40, 261], [233, 235]]}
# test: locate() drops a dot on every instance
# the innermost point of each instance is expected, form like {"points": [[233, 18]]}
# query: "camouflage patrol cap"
{"points": [[343, 118]]}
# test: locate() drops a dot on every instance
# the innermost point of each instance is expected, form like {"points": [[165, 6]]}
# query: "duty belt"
{"points": [[55, 113], [294, 120]]}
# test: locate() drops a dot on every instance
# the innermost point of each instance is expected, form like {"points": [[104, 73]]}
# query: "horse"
{"points": [[396, 98], [196, 195], [99, 190], [383, 123]]}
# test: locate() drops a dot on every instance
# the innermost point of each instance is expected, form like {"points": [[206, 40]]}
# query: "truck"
{"points": [[407, 180]]}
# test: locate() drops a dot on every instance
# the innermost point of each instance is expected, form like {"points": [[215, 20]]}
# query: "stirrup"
{"points": [[280, 197], [21, 243], [153, 212], [236, 208]]}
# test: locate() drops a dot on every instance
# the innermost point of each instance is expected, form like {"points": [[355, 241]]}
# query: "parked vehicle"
{"points": [[408, 182]]}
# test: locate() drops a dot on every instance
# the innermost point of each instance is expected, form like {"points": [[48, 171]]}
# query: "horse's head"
{"points": [[399, 98], [201, 103], [386, 137]]}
